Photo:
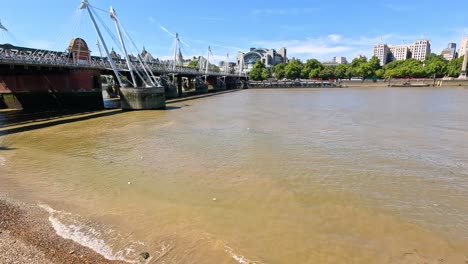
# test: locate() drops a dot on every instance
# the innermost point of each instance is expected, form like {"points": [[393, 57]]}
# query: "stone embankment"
{"points": [[404, 83]]}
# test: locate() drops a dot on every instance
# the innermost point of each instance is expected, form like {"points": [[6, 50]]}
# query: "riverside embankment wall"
{"points": [[405, 82]]}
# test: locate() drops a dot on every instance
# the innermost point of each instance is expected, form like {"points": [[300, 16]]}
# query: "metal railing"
{"points": [[57, 59]]}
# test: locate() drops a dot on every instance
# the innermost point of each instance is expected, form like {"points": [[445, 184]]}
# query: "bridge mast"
{"points": [[176, 49], [226, 67], [113, 15], [85, 5], [465, 62], [241, 66], [207, 63]]}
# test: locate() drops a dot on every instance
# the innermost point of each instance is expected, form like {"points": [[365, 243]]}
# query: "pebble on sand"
{"points": [[145, 255]]}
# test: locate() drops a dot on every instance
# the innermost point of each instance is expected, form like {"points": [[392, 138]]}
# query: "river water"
{"points": [[257, 176]]}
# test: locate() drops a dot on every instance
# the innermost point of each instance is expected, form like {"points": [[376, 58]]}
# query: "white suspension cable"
{"points": [[145, 67], [119, 33], [85, 5]]}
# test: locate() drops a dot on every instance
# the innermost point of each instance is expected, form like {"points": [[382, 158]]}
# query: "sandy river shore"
{"points": [[26, 236]]}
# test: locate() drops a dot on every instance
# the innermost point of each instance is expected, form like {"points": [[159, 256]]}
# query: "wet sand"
{"points": [[26, 236]]}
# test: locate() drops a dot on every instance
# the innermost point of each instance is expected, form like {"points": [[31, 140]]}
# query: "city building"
{"points": [[360, 56], [147, 57], [335, 61], [114, 55], [401, 52], [227, 67], [450, 52], [463, 47], [420, 49], [269, 57], [382, 51], [340, 60]]}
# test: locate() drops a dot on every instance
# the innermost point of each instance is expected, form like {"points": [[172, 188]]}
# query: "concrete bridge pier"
{"points": [[211, 82], [189, 84], [180, 90], [231, 83], [200, 86]]}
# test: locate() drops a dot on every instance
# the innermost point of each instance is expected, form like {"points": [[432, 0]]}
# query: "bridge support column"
{"points": [[179, 86]]}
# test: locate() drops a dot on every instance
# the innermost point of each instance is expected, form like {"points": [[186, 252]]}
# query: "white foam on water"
{"points": [[240, 259], [85, 235]]}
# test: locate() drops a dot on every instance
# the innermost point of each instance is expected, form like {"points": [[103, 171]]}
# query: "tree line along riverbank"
{"points": [[434, 66]]}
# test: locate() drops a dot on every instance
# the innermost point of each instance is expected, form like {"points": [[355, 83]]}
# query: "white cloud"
{"points": [[152, 20], [309, 48], [326, 47], [334, 37]]}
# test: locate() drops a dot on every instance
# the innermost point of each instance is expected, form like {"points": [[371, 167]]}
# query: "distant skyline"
{"points": [[308, 30]]}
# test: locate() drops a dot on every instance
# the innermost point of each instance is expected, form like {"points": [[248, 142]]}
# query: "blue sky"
{"points": [[308, 28]]}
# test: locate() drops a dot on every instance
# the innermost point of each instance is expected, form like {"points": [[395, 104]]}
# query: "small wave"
{"points": [[240, 259], [69, 227]]}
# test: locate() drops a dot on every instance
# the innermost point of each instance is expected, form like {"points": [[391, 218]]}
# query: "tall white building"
{"points": [[382, 51], [401, 52], [463, 47], [340, 60], [420, 49]]}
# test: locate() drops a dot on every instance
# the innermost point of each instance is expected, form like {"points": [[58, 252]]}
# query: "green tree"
{"points": [[373, 66], [265, 74], [326, 73], [124, 79], [380, 73], [293, 69], [341, 71], [364, 70], [278, 70], [314, 74], [454, 67], [349, 71], [310, 65], [404, 68], [257, 70], [435, 65], [215, 68], [358, 67], [193, 64]]}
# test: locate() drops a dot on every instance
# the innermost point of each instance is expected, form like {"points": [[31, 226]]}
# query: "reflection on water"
{"points": [[262, 176]]}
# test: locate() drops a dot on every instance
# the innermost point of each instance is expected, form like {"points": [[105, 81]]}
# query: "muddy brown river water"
{"points": [[257, 176]]}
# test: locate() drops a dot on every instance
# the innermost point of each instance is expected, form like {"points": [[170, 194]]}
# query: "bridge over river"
{"points": [[34, 78]]}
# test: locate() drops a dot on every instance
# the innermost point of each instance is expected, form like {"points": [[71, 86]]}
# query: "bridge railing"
{"points": [[60, 59]]}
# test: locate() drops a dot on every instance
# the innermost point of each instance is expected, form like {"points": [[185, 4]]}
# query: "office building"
{"points": [[450, 52]]}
